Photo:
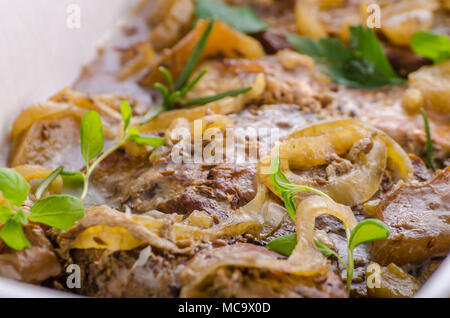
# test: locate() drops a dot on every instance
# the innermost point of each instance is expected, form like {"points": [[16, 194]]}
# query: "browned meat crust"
{"points": [[115, 275], [32, 265], [174, 188], [233, 275], [418, 216]]}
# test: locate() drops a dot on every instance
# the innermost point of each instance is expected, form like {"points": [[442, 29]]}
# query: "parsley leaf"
{"points": [[242, 18], [432, 46], [363, 65], [366, 45]]}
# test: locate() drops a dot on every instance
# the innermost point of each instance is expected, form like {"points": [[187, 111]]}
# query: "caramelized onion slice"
{"points": [[433, 83], [365, 153], [104, 228], [305, 261], [177, 19], [307, 19], [306, 255], [223, 41], [43, 111], [401, 19], [66, 103]]}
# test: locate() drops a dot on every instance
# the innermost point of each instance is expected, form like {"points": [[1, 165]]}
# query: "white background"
{"points": [[40, 55]]}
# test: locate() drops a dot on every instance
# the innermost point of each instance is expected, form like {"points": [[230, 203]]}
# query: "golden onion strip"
{"points": [[314, 145], [119, 232]]}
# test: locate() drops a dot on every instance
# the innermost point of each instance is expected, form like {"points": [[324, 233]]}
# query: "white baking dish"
{"points": [[41, 55]]}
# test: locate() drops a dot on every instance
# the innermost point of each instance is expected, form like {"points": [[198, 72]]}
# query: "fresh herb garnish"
{"points": [[13, 187], [286, 189], [92, 140], [430, 156], [47, 182], [362, 65], [61, 211], [92, 144], [432, 46], [366, 231], [175, 91], [58, 211], [241, 18]]}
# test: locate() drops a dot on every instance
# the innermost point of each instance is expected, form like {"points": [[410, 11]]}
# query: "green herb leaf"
{"points": [[147, 140], [286, 244], [13, 236], [47, 182], [367, 231], [362, 65], [133, 131], [168, 77], [432, 46], [365, 43], [5, 213], [152, 113], [243, 18], [125, 110], [193, 83], [20, 217], [58, 211], [71, 174], [194, 58], [286, 189], [326, 251], [210, 99], [283, 245], [91, 134], [13, 186], [430, 156]]}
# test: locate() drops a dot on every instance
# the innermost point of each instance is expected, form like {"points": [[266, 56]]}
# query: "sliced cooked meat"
{"points": [[403, 60], [418, 216], [233, 271], [117, 274], [273, 40], [287, 77], [49, 143], [176, 188], [393, 282], [32, 265]]}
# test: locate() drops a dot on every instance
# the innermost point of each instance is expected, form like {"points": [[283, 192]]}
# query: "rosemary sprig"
{"points": [[430, 156], [175, 91]]}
